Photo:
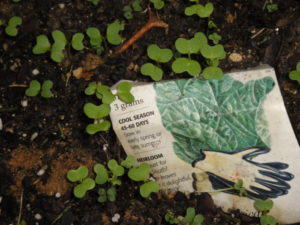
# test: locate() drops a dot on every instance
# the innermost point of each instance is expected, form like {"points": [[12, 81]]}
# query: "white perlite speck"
{"points": [[38, 216], [115, 218], [34, 136], [58, 195], [1, 124], [40, 172], [24, 103], [35, 72]]}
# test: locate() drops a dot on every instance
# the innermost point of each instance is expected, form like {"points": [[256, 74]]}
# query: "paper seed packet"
{"points": [[204, 135]]}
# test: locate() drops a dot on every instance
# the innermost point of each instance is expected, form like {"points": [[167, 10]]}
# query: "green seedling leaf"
{"points": [[295, 74], [77, 41], [95, 37], [263, 205], [128, 162], [267, 220], [33, 89], [96, 112], [136, 5], [190, 66], [123, 92], [112, 32], [185, 46], [94, 2], [81, 189], [11, 28], [139, 173], [59, 39], [212, 73], [170, 218], [91, 88], [215, 38], [97, 127], [158, 54], [115, 181], [127, 12], [111, 194], [42, 45], [202, 11], [238, 186], [272, 7], [189, 216], [201, 38], [213, 52], [158, 4], [107, 95], [198, 219], [147, 188], [155, 72], [115, 168], [77, 175], [46, 89], [102, 174], [102, 195], [211, 24], [57, 54]]}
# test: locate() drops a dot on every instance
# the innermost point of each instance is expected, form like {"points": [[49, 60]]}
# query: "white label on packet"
{"points": [[205, 135]]}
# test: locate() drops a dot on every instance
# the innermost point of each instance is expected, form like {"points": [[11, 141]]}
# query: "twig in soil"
{"points": [[61, 214], [18, 85], [21, 207], [153, 21], [61, 131]]}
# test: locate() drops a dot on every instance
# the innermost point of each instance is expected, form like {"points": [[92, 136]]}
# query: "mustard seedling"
{"points": [[35, 88], [112, 32], [127, 12], [272, 7], [182, 64], [159, 55], [77, 40], [215, 38], [142, 173], [104, 93], [46, 89], [95, 37], [11, 29], [124, 92], [264, 206], [190, 218], [136, 5], [98, 113], [85, 183], [107, 195], [42, 45], [158, 4], [57, 49], [203, 11], [239, 186], [295, 74]]}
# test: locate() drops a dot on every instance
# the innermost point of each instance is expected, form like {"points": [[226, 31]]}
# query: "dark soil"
{"points": [[49, 134]]}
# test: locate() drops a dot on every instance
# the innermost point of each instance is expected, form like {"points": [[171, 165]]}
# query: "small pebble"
{"points": [[1, 124], [24, 103], [115, 218], [34, 136], [1, 199], [38, 216], [57, 195], [105, 147], [235, 57], [41, 172], [35, 72], [61, 5]]}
